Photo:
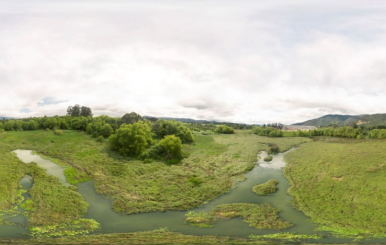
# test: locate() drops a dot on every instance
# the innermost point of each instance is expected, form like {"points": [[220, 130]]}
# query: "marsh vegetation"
{"points": [[266, 188], [158, 166]]}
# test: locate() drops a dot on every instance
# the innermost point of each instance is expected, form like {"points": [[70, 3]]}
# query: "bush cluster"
{"points": [[223, 129], [99, 128], [131, 139], [267, 131], [163, 127], [58, 132]]}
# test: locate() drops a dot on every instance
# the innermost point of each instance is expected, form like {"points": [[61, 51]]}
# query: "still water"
{"points": [[101, 211]]}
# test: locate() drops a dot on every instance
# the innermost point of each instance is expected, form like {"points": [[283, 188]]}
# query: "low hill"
{"points": [[347, 120], [186, 120]]}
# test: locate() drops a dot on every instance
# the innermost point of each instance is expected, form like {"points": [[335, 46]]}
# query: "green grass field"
{"points": [[340, 184]]}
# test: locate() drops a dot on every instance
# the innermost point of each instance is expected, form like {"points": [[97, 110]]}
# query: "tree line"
{"points": [[344, 132], [267, 131], [131, 135]]}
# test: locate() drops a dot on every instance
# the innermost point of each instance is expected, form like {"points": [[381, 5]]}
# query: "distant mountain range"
{"points": [[187, 120], [348, 120]]}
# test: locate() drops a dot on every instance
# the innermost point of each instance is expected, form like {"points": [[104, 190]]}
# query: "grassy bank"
{"points": [[54, 209], [260, 216], [339, 183], [162, 236], [11, 172]]}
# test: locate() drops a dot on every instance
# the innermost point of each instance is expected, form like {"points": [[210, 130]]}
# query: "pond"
{"points": [[100, 207]]}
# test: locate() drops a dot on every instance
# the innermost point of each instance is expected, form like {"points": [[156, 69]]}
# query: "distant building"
{"points": [[295, 128]]}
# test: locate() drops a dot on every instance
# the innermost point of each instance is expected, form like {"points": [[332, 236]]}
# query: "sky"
{"points": [[238, 61]]}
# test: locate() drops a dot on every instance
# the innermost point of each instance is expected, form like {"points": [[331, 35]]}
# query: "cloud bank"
{"points": [[252, 62]]}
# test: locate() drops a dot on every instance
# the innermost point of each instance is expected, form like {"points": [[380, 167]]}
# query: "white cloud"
{"points": [[248, 62]]}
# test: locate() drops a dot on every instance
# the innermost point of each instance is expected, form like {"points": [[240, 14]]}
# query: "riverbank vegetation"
{"points": [[259, 216], [339, 183], [266, 188], [344, 132], [282, 144], [214, 165], [160, 236], [285, 236], [207, 167]]}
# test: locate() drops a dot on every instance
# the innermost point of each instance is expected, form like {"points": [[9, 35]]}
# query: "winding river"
{"points": [[101, 211]]}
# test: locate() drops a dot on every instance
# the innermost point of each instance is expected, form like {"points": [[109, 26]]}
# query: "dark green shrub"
{"points": [[223, 129], [148, 160], [194, 180], [154, 152], [268, 158], [58, 132], [172, 147], [131, 139], [163, 127], [99, 128], [100, 139], [267, 131], [273, 149]]}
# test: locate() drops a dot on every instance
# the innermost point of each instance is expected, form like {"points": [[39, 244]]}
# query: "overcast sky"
{"points": [[241, 61]]}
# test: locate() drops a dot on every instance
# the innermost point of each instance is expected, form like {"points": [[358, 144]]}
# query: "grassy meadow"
{"points": [[340, 184]]}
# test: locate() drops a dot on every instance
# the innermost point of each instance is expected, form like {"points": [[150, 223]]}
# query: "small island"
{"points": [[266, 188], [268, 158]]}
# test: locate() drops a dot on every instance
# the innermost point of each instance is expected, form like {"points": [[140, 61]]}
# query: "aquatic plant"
{"points": [[268, 158], [260, 216], [287, 236]]}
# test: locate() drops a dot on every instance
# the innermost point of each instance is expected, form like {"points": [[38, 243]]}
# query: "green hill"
{"points": [[367, 120]]}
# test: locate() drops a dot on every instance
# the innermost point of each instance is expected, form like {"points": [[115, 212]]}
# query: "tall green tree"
{"points": [[73, 111], [168, 127], [18, 125], [85, 111], [130, 118], [50, 122], [32, 125], [131, 139], [79, 123], [98, 128], [9, 125], [172, 146]]}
